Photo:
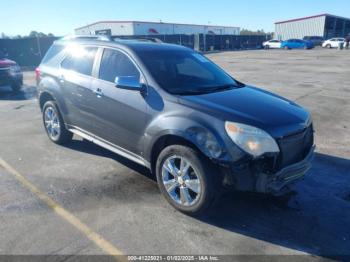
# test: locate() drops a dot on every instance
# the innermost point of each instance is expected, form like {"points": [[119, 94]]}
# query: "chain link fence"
{"points": [[28, 52], [207, 42]]}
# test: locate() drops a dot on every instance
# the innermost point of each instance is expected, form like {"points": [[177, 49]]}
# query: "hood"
{"points": [[6, 63], [252, 106]]}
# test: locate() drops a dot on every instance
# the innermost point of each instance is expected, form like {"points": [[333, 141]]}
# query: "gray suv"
{"points": [[172, 110]]}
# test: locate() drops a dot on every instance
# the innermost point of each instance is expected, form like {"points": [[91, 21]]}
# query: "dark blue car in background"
{"points": [[297, 44]]}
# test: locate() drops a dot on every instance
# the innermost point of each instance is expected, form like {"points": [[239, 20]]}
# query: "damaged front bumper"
{"points": [[276, 183], [249, 177]]}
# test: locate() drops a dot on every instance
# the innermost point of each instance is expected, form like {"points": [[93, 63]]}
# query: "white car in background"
{"points": [[272, 44], [333, 42]]}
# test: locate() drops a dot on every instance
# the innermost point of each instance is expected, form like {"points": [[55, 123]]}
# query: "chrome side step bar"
{"points": [[109, 146]]}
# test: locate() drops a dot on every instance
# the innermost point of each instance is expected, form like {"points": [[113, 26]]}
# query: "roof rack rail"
{"points": [[87, 37], [111, 38], [141, 39]]}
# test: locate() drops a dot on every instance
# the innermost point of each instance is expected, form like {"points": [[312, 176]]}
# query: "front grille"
{"points": [[295, 147]]}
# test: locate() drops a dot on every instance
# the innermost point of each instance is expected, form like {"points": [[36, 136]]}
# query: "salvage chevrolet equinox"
{"points": [[172, 110]]}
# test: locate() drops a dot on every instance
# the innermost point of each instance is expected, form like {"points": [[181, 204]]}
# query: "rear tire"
{"points": [[286, 48], [54, 124], [191, 190]]}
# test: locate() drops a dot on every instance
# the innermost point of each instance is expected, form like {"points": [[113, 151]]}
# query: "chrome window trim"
{"points": [[95, 73], [60, 68], [142, 75]]}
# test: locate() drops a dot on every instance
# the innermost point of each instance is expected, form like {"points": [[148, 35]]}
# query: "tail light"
{"points": [[37, 75]]}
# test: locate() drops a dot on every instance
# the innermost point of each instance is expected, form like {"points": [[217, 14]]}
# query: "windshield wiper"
{"points": [[221, 88], [214, 89], [207, 90]]}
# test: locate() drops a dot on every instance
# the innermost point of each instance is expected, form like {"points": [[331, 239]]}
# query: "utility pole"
{"points": [[39, 47], [205, 38]]}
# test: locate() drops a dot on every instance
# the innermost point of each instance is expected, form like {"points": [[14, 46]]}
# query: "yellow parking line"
{"points": [[65, 214]]}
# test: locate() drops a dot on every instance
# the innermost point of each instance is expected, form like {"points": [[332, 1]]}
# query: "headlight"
{"points": [[251, 139]]}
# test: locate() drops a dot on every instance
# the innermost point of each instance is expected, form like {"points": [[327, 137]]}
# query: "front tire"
{"points": [[286, 48], [187, 179], [54, 124], [328, 46]]}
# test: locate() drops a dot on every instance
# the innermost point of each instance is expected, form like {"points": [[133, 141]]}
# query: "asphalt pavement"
{"points": [[98, 195]]}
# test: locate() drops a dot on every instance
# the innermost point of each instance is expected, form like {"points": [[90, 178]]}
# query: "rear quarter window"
{"points": [[53, 55]]}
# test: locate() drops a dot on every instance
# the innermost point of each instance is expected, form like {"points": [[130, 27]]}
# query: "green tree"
{"points": [[250, 32], [33, 34], [37, 34], [4, 36]]}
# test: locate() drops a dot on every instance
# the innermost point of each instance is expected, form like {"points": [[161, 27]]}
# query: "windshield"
{"points": [[185, 72]]}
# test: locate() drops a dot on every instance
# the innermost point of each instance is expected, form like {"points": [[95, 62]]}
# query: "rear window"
{"points": [[52, 54], [80, 59]]}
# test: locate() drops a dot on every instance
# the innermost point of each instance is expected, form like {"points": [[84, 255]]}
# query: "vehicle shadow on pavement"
{"points": [[316, 219], [90, 148], [26, 93]]}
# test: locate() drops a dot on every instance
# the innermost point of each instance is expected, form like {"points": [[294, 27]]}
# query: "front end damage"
{"points": [[273, 173]]}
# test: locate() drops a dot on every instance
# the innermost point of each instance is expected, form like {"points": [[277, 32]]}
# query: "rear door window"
{"points": [[116, 64], [80, 59]]}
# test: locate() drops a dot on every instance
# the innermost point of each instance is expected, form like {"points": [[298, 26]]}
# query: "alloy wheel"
{"points": [[181, 181], [52, 123]]}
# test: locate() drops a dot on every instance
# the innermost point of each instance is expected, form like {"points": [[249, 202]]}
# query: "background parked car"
{"points": [[273, 43], [10, 73], [333, 42], [297, 44], [316, 40]]}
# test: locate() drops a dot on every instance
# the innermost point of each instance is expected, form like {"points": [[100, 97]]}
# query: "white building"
{"points": [[324, 25], [129, 28]]}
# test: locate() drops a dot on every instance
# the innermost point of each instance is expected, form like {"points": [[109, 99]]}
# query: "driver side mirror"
{"points": [[128, 82]]}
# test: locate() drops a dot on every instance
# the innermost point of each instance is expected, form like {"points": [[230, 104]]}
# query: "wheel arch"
{"points": [[165, 141], [44, 97], [202, 133]]}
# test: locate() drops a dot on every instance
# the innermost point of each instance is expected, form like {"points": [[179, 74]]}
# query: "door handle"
{"points": [[98, 92], [61, 79]]}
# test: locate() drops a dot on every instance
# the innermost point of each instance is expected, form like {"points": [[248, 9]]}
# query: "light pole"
{"points": [[205, 38], [38, 44]]}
